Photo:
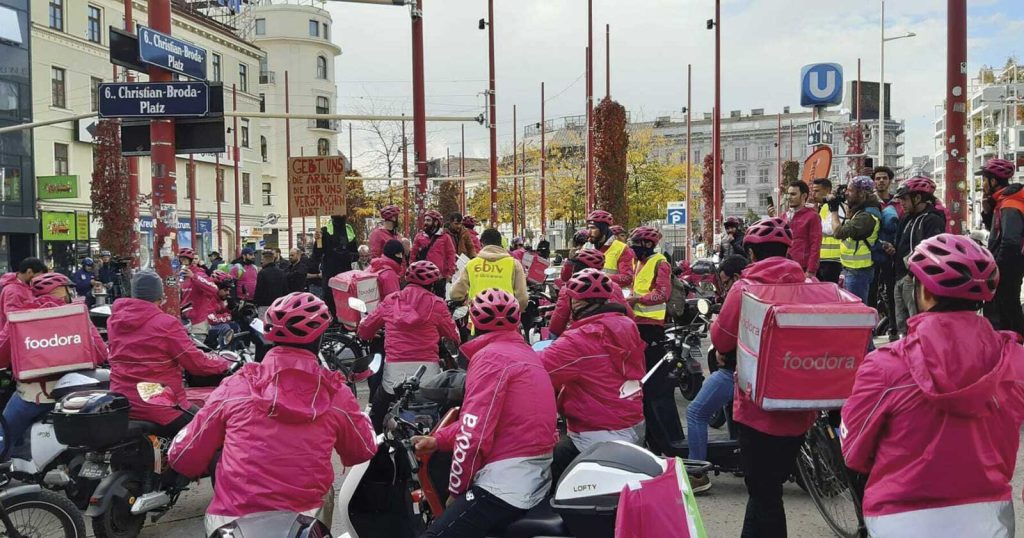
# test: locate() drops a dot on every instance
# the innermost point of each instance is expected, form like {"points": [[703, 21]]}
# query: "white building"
{"points": [[248, 50]]}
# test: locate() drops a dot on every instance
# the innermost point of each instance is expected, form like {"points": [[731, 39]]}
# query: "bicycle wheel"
{"points": [[823, 472], [44, 514]]}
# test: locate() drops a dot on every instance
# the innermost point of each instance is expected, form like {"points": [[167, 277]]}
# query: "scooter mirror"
{"points": [[629, 389], [357, 304], [704, 307], [155, 394], [378, 359], [542, 345], [226, 337]]}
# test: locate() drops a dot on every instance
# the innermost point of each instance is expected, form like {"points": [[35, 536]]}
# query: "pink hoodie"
{"points": [[589, 364], [277, 423], [148, 345], [442, 253], [202, 293], [378, 237], [935, 420], [562, 314], [388, 274], [724, 333], [14, 294], [414, 320], [506, 433]]}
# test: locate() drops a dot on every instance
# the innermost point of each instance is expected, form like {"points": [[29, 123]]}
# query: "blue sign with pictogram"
{"points": [[821, 85], [172, 54], [676, 213]]}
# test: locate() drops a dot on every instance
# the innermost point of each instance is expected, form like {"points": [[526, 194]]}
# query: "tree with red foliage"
{"points": [[855, 137], [611, 142], [110, 199], [707, 190]]}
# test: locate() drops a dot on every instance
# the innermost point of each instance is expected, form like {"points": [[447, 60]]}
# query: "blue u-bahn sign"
{"points": [[821, 85]]}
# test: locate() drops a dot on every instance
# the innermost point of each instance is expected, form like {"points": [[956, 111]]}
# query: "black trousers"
{"points": [[1004, 311], [766, 461], [380, 401], [439, 288], [565, 451], [829, 271], [660, 411], [476, 514], [883, 290]]}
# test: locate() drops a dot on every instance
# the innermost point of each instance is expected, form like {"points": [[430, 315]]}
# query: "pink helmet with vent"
{"points": [[47, 282], [296, 318], [1000, 168], [601, 216], [423, 272], [591, 257], [919, 184], [954, 266], [645, 233], [469, 221], [390, 212], [616, 230], [769, 230], [494, 310], [187, 253], [438, 219], [589, 284]]}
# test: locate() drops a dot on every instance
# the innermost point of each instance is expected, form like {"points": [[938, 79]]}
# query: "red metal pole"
{"points": [[590, 104], [689, 158], [419, 110], [956, 113], [543, 166], [522, 197], [405, 180], [515, 180], [492, 117], [192, 199], [717, 120], [316, 223], [238, 163], [288, 156], [589, 140], [778, 153], [608, 61], [462, 168], [165, 193], [218, 186], [133, 162], [860, 160]]}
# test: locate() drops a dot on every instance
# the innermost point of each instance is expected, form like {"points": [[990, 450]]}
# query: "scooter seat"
{"points": [[142, 427], [541, 520]]}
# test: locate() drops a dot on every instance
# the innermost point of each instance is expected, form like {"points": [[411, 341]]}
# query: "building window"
{"points": [[246, 189], [261, 26], [60, 159], [321, 67], [220, 185], [266, 194], [762, 199], [95, 93], [245, 133], [327, 32], [58, 93], [57, 14], [741, 176], [314, 28], [92, 30], [762, 175], [263, 102], [741, 154], [696, 155], [323, 106], [216, 67], [263, 148], [243, 77], [323, 147]]}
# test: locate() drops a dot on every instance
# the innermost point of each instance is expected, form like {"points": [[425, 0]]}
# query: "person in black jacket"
{"points": [[920, 221], [337, 248], [1003, 215], [271, 283], [298, 270]]}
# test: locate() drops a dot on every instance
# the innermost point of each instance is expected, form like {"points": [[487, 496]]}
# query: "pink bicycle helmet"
{"points": [[438, 219], [1000, 168], [220, 277], [423, 272], [187, 253], [296, 318], [494, 310], [469, 221], [581, 237], [589, 284], [954, 266], [616, 230], [863, 183], [47, 282], [598, 216], [390, 212], [591, 257], [645, 233], [769, 230], [733, 221], [919, 184]]}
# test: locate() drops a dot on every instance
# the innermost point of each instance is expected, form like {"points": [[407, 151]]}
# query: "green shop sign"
{"points": [[58, 226], [53, 187]]}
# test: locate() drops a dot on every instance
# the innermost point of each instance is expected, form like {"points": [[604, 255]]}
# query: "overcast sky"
{"points": [[764, 44]]}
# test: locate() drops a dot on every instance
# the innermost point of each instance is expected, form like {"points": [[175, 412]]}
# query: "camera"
{"points": [[838, 199]]}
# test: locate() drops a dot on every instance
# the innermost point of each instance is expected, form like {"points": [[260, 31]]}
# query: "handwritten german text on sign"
{"points": [[317, 186]]}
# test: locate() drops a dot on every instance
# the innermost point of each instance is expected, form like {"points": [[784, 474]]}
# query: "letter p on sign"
{"points": [[821, 85]]}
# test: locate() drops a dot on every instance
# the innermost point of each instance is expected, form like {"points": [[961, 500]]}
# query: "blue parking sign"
{"points": [[821, 85], [676, 215]]}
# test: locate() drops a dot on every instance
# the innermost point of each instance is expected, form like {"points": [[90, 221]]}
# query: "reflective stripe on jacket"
{"points": [[829, 245], [856, 253]]}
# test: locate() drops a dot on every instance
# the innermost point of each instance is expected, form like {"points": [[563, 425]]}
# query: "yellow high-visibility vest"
{"points": [[856, 254], [611, 257], [642, 284], [484, 275], [829, 245]]}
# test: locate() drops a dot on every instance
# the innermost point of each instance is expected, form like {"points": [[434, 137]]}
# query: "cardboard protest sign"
{"points": [[316, 186]]}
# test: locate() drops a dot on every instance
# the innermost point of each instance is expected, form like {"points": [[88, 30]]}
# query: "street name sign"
{"points": [[172, 54], [154, 99]]}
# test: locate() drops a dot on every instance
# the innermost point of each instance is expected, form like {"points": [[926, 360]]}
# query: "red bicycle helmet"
{"points": [[296, 318], [919, 184], [47, 282], [469, 221], [591, 257], [733, 221], [616, 230], [645, 233], [186, 253], [769, 230], [601, 216], [438, 219], [589, 284], [220, 277], [954, 266], [390, 212], [1000, 168], [494, 310], [423, 272]]}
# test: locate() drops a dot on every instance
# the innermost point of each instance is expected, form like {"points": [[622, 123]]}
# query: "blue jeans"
{"points": [[714, 394], [19, 416], [858, 282]]}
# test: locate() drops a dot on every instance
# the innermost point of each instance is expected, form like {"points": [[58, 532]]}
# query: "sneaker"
{"points": [[700, 484]]}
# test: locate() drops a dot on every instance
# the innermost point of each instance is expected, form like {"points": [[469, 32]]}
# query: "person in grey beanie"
{"points": [[147, 286]]}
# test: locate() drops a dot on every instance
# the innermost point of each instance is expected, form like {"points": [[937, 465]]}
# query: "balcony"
{"points": [[327, 125], [267, 77]]}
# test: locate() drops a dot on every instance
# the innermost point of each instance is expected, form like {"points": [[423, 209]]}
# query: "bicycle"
{"points": [[29, 511], [823, 473]]}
